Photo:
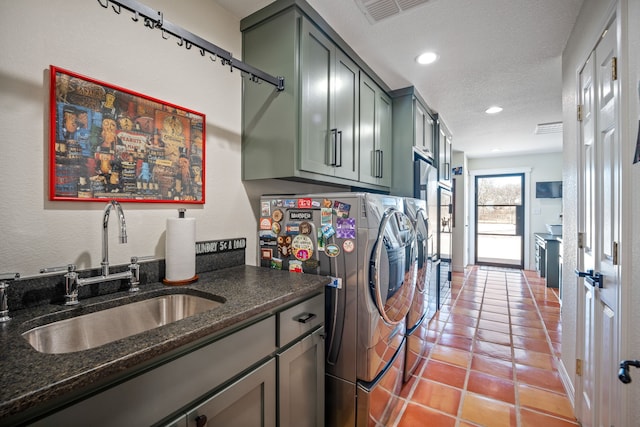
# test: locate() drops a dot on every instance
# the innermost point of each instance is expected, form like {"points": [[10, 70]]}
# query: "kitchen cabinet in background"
{"points": [[548, 258], [445, 147], [413, 130]]}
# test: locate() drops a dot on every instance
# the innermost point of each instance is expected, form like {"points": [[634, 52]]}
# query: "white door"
{"points": [[599, 224]]}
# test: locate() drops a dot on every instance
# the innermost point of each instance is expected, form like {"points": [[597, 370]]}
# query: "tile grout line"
{"points": [[464, 392], [513, 358]]}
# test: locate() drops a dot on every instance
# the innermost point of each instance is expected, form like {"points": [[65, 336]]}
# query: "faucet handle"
{"points": [[134, 268], [4, 286], [9, 276], [69, 268], [135, 259]]}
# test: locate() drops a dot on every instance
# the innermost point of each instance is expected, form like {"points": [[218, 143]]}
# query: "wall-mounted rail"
{"points": [[155, 19]]}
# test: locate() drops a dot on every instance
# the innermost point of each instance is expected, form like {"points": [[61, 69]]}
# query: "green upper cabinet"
{"points": [[445, 147], [375, 134], [329, 108], [413, 134], [311, 131]]}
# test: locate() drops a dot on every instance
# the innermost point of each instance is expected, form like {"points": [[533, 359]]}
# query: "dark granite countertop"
{"points": [[32, 381]]}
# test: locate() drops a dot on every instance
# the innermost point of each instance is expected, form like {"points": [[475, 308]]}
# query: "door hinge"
{"points": [[580, 240], [614, 68], [579, 112], [579, 367], [614, 250]]}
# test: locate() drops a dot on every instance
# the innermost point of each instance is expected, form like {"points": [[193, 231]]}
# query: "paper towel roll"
{"points": [[180, 247]]}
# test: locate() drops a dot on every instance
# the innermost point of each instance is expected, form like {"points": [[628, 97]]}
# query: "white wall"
{"points": [[542, 167], [83, 37], [460, 258]]}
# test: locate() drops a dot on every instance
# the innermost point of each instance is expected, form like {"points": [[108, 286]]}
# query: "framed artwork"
{"points": [[111, 143]]}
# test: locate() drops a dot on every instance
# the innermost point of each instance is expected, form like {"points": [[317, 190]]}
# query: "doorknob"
{"points": [[623, 373], [594, 279]]}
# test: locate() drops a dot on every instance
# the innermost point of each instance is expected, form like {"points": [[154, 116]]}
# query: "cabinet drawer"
{"points": [[300, 319]]}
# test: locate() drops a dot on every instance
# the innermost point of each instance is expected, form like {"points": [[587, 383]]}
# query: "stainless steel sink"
{"points": [[111, 324]]}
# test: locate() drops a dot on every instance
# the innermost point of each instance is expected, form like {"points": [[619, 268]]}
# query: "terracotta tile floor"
{"points": [[492, 357]]}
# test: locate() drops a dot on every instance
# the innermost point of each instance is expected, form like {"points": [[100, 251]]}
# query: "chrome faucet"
{"points": [[4, 288], [73, 282], [105, 232]]}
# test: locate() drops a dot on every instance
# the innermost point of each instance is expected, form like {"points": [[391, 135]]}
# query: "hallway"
{"points": [[492, 361]]}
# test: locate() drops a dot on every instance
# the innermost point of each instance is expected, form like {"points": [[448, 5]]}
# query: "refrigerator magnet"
{"points": [[302, 247], [348, 246], [277, 215], [265, 223], [265, 208], [346, 228], [332, 250]]}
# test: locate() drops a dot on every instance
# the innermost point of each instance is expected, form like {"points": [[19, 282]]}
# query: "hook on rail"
{"points": [[135, 17], [105, 5], [118, 10]]}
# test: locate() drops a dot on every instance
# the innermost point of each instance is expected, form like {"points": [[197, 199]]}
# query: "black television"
{"points": [[549, 190]]}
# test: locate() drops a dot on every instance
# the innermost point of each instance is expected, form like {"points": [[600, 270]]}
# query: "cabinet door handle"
{"points": [[334, 147], [379, 158], [306, 317], [201, 421], [339, 164]]}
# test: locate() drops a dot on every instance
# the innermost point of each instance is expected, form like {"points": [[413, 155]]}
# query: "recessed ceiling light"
{"points": [[493, 110], [426, 58]]}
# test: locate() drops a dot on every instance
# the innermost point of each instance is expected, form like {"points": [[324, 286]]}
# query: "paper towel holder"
{"points": [[181, 282]]}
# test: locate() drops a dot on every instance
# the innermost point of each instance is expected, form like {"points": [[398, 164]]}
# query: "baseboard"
{"points": [[567, 383]]}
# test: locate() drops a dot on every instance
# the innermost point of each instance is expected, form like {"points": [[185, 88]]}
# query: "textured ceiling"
{"points": [[491, 52]]}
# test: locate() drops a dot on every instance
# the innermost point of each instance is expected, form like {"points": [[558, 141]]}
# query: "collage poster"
{"points": [[110, 143]]}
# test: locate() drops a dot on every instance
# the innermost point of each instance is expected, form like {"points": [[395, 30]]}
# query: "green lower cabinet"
{"points": [[250, 401]]}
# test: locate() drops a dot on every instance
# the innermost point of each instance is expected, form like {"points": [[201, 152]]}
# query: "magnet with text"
{"points": [[326, 215], [302, 247], [304, 203], [265, 223], [346, 228], [328, 231], [341, 209]]}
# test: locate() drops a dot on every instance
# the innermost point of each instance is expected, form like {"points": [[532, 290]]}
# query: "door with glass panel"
{"points": [[499, 230]]}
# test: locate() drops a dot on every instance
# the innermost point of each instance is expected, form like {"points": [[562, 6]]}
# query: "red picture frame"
{"points": [[110, 143]]}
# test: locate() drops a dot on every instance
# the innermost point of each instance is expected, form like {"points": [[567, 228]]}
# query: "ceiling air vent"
{"points": [[545, 128], [377, 10]]}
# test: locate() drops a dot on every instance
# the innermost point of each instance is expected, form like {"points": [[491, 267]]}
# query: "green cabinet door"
{"points": [[375, 133], [346, 85], [317, 70], [329, 105]]}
